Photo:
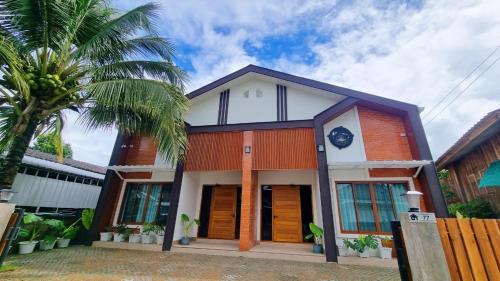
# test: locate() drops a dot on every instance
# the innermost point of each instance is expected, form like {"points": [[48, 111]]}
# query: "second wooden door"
{"points": [[223, 212], [287, 221]]}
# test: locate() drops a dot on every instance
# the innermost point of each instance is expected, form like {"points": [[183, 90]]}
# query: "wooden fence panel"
{"points": [[471, 247]]}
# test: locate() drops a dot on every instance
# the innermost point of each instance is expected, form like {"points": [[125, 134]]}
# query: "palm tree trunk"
{"points": [[10, 164]]}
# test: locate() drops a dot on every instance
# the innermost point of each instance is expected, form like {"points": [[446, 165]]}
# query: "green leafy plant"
{"points": [[48, 143], [69, 232], [159, 229], [445, 187], [477, 208], [53, 227], [148, 228], [348, 244], [87, 218], [316, 232], [122, 229], [365, 241], [188, 224], [32, 227]]}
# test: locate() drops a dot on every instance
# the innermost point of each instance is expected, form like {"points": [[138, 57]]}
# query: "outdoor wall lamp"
{"points": [[413, 198], [6, 195], [320, 147], [248, 149]]}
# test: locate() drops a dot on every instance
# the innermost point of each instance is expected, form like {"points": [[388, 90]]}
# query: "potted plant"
{"points": [[316, 232], [187, 225], [147, 233], [160, 234], [135, 236], [365, 242], [106, 235], [29, 233], [49, 237], [344, 247], [385, 249], [121, 232], [66, 234]]}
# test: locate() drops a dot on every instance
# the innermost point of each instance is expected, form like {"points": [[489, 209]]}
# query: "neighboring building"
{"points": [[270, 152], [43, 184], [467, 161]]}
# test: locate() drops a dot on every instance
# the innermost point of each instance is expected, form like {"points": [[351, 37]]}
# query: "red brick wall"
{"points": [[384, 135]]}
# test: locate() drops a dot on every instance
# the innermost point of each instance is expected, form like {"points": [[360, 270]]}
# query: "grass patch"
{"points": [[7, 267]]}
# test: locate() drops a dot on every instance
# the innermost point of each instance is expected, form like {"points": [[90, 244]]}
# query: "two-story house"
{"points": [[268, 153]]}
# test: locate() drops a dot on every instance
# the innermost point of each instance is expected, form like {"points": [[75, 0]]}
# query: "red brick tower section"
{"points": [[248, 233]]}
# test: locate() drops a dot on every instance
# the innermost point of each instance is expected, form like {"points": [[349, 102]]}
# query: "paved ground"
{"points": [[88, 263]]}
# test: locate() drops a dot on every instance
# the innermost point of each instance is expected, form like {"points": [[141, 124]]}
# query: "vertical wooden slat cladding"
{"points": [[141, 151], [384, 135], [214, 151], [284, 149]]}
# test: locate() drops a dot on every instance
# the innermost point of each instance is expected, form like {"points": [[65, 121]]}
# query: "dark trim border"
{"points": [[174, 206], [324, 180], [251, 126], [105, 194]]}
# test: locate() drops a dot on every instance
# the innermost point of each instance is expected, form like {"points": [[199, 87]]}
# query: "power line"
{"points": [[458, 85], [463, 91]]}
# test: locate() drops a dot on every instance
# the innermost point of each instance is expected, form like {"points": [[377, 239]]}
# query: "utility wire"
{"points": [[463, 91], [458, 85]]}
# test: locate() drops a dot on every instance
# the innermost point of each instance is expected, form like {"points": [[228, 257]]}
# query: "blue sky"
{"points": [[414, 51]]}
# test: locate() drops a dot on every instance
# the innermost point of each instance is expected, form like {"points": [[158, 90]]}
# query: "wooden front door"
{"points": [[287, 221], [223, 212]]}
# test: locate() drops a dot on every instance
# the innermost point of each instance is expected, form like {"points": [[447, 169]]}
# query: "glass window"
{"points": [[146, 203], [347, 209], [366, 219], [357, 203]]}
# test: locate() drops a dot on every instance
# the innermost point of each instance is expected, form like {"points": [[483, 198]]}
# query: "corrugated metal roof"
{"points": [[67, 162]]}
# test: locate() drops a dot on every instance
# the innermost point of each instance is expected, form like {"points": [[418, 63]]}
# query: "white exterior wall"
{"points": [[354, 152], [204, 110], [46, 192], [303, 103], [295, 177], [252, 108]]}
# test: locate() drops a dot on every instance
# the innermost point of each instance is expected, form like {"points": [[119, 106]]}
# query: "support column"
{"points": [[248, 233], [174, 206]]}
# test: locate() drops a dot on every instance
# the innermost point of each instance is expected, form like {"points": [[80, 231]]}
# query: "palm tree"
{"points": [[82, 55]]}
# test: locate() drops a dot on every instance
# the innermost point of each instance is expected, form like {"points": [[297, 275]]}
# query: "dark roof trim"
{"points": [[302, 81], [251, 126]]}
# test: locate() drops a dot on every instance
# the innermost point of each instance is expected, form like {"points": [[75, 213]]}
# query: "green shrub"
{"points": [[477, 208]]}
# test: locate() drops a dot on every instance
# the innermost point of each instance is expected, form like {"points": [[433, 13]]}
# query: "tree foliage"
{"points": [[113, 68], [48, 143]]}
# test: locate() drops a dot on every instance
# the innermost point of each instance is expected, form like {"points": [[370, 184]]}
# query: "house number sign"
{"points": [[422, 217], [340, 137]]}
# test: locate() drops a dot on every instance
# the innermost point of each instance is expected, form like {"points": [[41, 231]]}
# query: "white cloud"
{"points": [[398, 51]]}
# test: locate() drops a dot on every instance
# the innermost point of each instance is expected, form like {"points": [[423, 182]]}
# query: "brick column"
{"points": [[248, 234]]}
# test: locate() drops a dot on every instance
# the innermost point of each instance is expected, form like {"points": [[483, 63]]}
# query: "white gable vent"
{"points": [[259, 93]]}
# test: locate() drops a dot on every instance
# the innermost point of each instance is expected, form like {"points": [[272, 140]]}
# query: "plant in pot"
{"points": [[385, 249], [107, 234], [344, 247], [66, 234], [121, 233], [187, 225], [365, 242], [29, 233], [160, 234], [135, 236], [51, 230], [316, 232], [147, 233]]}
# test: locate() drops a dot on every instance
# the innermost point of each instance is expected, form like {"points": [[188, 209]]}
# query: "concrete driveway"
{"points": [[88, 263]]}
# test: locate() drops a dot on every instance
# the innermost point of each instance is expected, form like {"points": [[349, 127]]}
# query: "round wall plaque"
{"points": [[340, 137]]}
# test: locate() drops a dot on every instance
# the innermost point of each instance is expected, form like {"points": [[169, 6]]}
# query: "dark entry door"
{"points": [[287, 221], [223, 212]]}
